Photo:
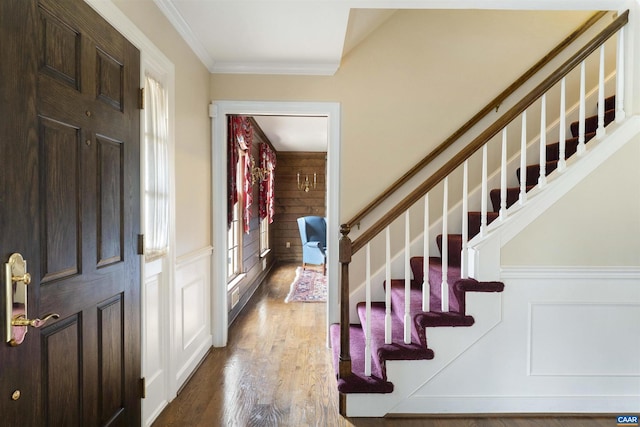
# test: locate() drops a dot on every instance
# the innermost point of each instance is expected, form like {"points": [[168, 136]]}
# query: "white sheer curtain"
{"points": [[156, 162]]}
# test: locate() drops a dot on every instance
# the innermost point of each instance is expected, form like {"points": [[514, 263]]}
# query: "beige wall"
{"points": [[422, 72], [595, 224], [192, 126]]}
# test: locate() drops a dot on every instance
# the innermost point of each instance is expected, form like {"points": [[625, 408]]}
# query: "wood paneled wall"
{"points": [[291, 203]]}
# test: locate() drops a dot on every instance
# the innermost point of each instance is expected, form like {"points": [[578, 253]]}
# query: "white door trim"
{"points": [[219, 110]]}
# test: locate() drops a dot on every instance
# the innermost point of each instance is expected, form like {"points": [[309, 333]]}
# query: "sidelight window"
{"points": [[156, 165]]}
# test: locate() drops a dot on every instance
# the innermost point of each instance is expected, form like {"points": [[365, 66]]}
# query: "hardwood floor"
{"points": [[276, 371]]}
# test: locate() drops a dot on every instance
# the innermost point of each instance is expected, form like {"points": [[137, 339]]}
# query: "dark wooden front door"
{"points": [[69, 203]]}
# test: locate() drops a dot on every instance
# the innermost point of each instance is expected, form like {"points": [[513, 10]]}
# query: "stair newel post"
{"points": [[367, 336], [387, 280], [620, 115], [523, 161], [465, 220], [503, 176], [484, 192], [582, 112], [600, 132], [542, 179], [407, 278], [344, 369], [562, 141], [426, 290], [444, 287]]}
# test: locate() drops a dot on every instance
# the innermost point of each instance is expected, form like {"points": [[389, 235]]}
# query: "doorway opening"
{"points": [[219, 111]]}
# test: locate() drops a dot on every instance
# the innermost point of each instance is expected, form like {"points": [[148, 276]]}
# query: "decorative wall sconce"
{"points": [[306, 185], [257, 174]]}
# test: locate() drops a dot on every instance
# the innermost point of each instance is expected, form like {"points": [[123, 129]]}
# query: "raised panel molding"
{"points": [[192, 324], [111, 368], [62, 367], [110, 209], [580, 339], [60, 189]]}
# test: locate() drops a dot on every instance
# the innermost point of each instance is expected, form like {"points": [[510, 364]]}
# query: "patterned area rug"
{"points": [[308, 286]]}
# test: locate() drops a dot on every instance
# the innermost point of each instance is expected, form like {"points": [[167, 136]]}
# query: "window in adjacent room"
{"points": [[234, 237], [264, 235]]}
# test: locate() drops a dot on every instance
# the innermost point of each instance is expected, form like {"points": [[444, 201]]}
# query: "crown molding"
{"points": [[178, 22]]}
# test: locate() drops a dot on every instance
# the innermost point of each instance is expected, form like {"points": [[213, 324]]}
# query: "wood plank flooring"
{"points": [[276, 371]]}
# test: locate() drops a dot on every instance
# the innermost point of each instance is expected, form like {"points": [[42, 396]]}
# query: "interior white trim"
{"points": [[193, 255], [570, 272], [219, 110], [181, 26]]}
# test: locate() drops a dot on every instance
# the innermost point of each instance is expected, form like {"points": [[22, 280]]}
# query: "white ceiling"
{"points": [[295, 133], [306, 37]]}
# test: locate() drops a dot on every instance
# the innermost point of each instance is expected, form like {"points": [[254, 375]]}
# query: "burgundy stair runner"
{"points": [[418, 349]]}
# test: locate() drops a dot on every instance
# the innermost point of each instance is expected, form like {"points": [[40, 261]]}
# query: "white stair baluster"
{"points": [[582, 110], [483, 197], [387, 298], [426, 288], [503, 176], [600, 132], [444, 287], [367, 334], [465, 220], [542, 179], [562, 141], [407, 279], [523, 161], [620, 114]]}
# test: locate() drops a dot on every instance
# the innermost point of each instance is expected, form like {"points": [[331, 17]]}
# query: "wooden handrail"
{"points": [[490, 132], [494, 103]]}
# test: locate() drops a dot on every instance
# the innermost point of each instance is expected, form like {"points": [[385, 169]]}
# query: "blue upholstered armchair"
{"points": [[313, 233]]}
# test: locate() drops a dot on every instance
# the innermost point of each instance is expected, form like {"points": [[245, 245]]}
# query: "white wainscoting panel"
{"points": [[155, 358], [580, 339], [193, 312]]}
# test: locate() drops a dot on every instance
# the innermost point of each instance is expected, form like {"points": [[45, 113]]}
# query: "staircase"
{"points": [[449, 338], [418, 348]]}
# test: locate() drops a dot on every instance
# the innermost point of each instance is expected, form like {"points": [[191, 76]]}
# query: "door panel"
{"points": [[80, 199], [60, 199], [110, 209], [62, 372]]}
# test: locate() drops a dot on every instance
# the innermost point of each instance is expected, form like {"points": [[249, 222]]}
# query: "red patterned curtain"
{"points": [[240, 134], [267, 162]]}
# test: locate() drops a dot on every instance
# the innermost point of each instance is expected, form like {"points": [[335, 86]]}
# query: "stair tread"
{"points": [[513, 195], [398, 349], [591, 122], [571, 147], [475, 222], [357, 382]]}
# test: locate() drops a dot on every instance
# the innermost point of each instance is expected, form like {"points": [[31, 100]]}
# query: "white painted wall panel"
{"points": [[155, 362], [193, 311], [192, 324], [152, 337], [584, 339]]}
